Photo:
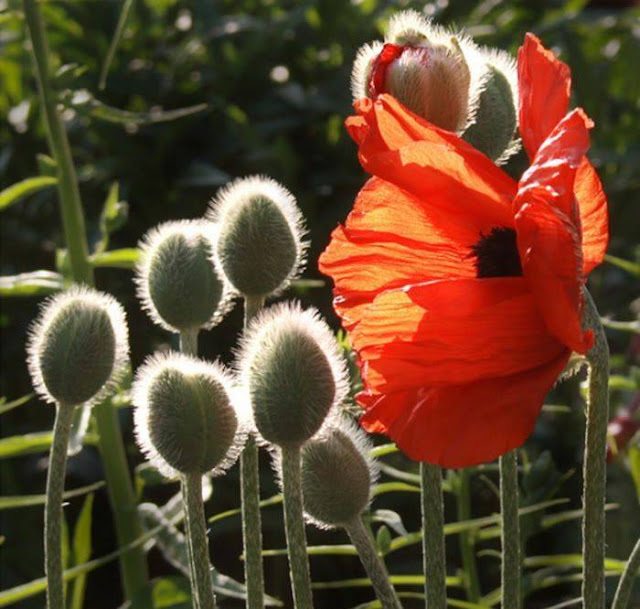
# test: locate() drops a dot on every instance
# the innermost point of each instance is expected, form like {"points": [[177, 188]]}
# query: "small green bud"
{"points": [[186, 420], [259, 247], [337, 475], [178, 283], [292, 368], [78, 347]]}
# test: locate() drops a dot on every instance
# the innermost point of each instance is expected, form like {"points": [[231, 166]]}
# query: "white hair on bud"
{"points": [[361, 72], [186, 365], [191, 230], [411, 27], [50, 309], [245, 189], [277, 320]]}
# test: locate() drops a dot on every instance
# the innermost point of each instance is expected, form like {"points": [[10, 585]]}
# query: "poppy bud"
{"points": [[337, 475], [422, 65], [291, 366], [259, 247], [185, 419], [78, 347], [495, 118], [178, 283]]}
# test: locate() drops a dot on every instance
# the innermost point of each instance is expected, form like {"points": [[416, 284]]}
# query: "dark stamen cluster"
{"points": [[496, 254]]}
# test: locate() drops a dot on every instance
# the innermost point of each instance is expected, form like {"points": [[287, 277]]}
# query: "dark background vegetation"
{"points": [[286, 123]]}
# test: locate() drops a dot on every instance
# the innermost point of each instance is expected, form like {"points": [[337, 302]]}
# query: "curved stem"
{"points": [[433, 553], [511, 559], [201, 588], [594, 473], [625, 585], [373, 564], [250, 492], [53, 506], [294, 525], [467, 538]]}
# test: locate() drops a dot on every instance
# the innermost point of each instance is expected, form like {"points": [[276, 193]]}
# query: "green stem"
{"points": [[511, 558], [294, 526], [53, 506], [433, 553], [134, 572], [250, 491], [373, 564], [625, 585], [467, 538], [201, 587], [594, 473], [189, 342]]}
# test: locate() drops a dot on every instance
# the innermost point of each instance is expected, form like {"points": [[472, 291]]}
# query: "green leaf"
{"points": [[114, 215], [82, 551], [16, 192], [626, 265], [122, 259], [7, 406], [392, 519], [634, 466], [115, 41], [19, 501], [383, 539], [382, 450], [570, 560], [36, 283], [79, 429], [47, 165], [172, 593], [396, 580], [394, 487], [27, 444], [274, 500]]}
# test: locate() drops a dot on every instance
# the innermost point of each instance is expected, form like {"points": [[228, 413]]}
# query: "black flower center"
{"points": [[496, 254]]}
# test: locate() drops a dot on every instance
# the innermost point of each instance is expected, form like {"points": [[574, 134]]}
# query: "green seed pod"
{"points": [[178, 283], [186, 421], [337, 475], [78, 347], [259, 247], [291, 366]]}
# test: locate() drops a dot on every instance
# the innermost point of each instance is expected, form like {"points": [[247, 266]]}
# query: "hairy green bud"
{"points": [[78, 347], [178, 283], [259, 247], [186, 421], [291, 366]]}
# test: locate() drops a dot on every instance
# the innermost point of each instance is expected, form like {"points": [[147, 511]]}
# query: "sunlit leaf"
{"points": [[17, 446], [82, 551], [36, 283], [16, 192], [115, 41], [8, 406], [122, 259], [396, 580], [20, 501], [625, 265]]}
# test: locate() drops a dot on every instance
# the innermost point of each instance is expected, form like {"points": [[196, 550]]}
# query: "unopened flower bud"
{"points": [[178, 283], [422, 65], [186, 421], [259, 247], [78, 347], [291, 366], [495, 118], [337, 475]]}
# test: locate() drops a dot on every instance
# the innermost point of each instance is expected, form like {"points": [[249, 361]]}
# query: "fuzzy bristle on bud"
{"points": [[292, 369], [78, 347], [178, 283], [259, 247], [337, 475], [186, 418]]}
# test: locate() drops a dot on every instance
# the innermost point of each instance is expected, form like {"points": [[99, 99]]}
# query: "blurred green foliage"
{"points": [[199, 92]]}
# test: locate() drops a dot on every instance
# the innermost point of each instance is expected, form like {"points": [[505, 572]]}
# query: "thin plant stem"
{"points": [[294, 526], [625, 585], [133, 566], [373, 564], [511, 557], [433, 552], [594, 472], [467, 538], [201, 587], [53, 506], [189, 342], [250, 492]]}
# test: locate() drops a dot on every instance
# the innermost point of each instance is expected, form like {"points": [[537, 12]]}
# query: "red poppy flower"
{"points": [[461, 288]]}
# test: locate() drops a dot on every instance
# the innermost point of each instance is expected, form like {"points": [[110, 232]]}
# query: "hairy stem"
{"points": [[467, 538], [594, 473], [625, 585], [201, 587], [250, 491], [373, 564], [433, 553], [511, 558], [189, 342], [294, 525], [53, 506]]}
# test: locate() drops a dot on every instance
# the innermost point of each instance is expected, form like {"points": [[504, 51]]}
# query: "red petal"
{"points": [[431, 163], [544, 85], [392, 239], [462, 329], [466, 424], [593, 215]]}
